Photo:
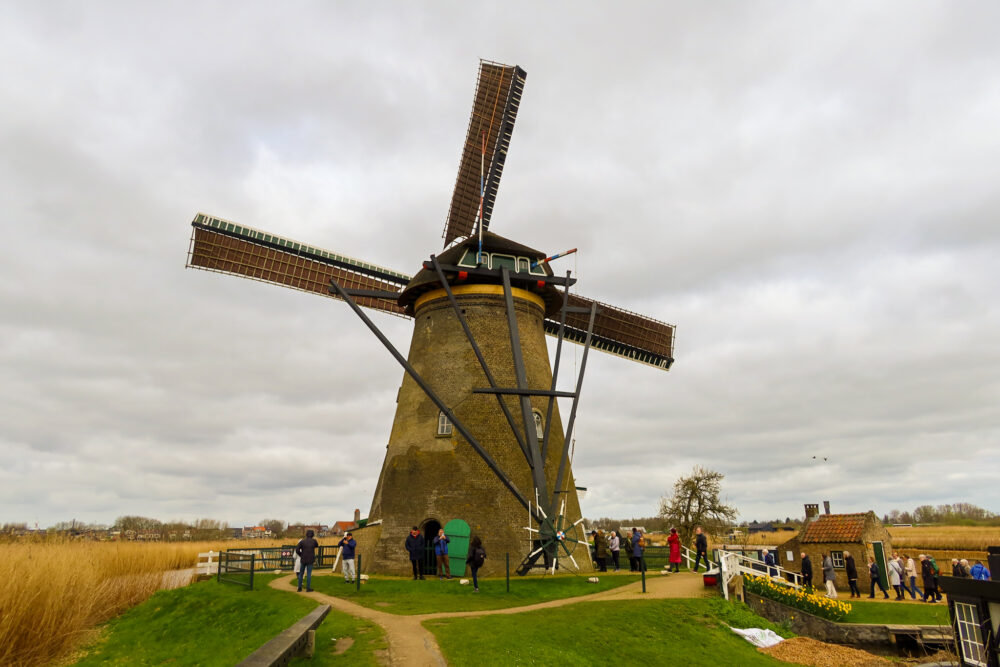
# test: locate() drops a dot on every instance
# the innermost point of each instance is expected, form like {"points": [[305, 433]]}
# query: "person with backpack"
{"points": [[441, 551], [477, 556], [937, 573], [638, 546]]}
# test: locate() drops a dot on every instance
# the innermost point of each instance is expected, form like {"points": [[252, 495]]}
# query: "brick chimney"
{"points": [[357, 517], [826, 506], [812, 511]]}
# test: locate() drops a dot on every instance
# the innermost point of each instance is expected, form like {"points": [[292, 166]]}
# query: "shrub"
{"points": [[833, 610]]}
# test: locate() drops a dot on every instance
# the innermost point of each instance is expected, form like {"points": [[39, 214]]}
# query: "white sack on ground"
{"points": [[759, 637]]}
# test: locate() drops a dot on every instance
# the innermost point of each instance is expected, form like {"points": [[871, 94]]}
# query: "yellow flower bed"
{"points": [[799, 598]]}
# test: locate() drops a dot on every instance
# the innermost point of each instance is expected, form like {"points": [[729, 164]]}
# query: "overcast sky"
{"points": [[808, 191]]}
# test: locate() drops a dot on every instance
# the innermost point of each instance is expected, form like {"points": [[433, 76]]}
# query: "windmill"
{"points": [[477, 438]]}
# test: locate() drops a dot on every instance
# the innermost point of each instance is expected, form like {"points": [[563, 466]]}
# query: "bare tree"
{"points": [[696, 502]]}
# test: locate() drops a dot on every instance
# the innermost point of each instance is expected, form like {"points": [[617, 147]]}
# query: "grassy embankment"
{"points": [[914, 613], [404, 596], [56, 591], [681, 631], [212, 623]]}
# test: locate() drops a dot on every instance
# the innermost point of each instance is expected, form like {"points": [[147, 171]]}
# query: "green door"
{"points": [[458, 532], [883, 571]]}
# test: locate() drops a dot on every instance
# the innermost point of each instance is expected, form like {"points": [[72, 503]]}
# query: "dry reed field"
{"points": [[946, 538], [56, 591]]}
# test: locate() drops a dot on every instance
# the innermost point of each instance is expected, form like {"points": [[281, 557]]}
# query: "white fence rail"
{"points": [[732, 565], [208, 563]]}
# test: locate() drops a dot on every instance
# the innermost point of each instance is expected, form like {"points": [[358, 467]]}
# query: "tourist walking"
{"points": [[927, 572], [615, 546], [477, 556], [851, 569], [638, 546], [937, 573], [306, 551], [415, 544], [911, 577], [700, 547], [873, 574], [674, 542], [806, 570], [829, 576], [600, 550], [896, 576], [441, 552], [979, 571], [347, 546], [769, 562]]}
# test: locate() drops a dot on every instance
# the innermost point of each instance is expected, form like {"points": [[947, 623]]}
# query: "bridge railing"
{"points": [[732, 565]]}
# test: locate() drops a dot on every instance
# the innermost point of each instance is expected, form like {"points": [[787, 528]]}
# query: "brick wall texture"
{"points": [[426, 477]]}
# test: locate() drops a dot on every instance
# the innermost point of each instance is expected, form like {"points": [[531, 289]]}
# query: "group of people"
{"points": [[611, 543], [305, 558], [962, 570], [902, 573], [416, 544]]}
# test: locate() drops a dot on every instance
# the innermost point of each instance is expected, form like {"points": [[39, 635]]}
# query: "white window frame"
{"points": [[444, 427], [838, 559], [970, 634], [539, 424]]}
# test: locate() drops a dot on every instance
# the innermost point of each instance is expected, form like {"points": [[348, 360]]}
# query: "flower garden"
{"points": [[832, 610]]}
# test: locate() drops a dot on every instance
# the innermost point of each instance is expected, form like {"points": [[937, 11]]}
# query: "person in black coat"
{"points": [[700, 547], [306, 551], [415, 545], [851, 570], [806, 571], [873, 572], [927, 572]]}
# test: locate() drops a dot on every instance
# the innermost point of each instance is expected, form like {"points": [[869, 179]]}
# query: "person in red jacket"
{"points": [[675, 550]]}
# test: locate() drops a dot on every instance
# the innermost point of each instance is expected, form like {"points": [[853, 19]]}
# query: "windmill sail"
{"points": [[226, 247], [494, 109], [619, 332]]}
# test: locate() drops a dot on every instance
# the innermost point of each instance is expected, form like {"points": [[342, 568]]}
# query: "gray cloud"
{"points": [[807, 191]]}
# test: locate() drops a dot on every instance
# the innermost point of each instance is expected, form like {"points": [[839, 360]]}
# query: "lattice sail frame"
{"points": [[494, 110], [223, 246]]}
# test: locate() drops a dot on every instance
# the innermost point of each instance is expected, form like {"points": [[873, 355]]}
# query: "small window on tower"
{"points": [[444, 425], [539, 427]]}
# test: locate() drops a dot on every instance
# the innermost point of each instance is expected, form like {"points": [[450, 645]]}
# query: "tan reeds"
{"points": [[55, 591]]}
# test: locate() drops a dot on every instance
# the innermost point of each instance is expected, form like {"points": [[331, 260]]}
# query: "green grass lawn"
{"points": [[367, 637], [210, 623], [655, 632], [404, 596], [892, 613]]}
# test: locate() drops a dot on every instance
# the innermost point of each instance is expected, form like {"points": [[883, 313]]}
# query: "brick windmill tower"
{"points": [[477, 445]]}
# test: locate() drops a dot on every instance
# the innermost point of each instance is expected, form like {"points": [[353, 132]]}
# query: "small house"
{"points": [[862, 535]]}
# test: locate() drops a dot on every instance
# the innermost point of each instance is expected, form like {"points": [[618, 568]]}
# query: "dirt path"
{"points": [[412, 644]]}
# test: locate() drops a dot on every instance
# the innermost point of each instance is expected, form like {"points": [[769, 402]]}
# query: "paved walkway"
{"points": [[410, 643]]}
